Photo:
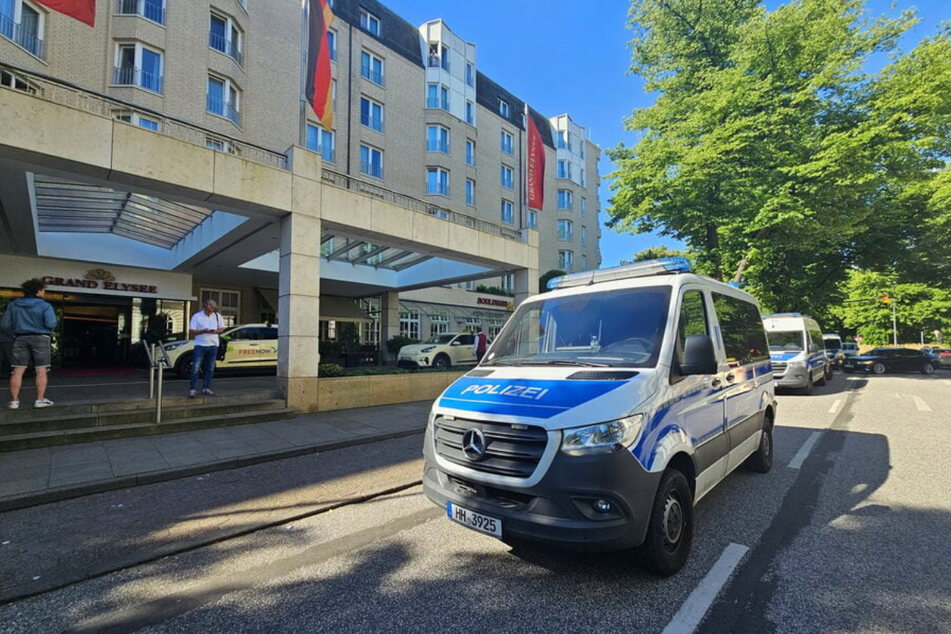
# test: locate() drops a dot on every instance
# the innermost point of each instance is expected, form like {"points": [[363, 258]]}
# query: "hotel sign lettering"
{"points": [[100, 279], [489, 301]]}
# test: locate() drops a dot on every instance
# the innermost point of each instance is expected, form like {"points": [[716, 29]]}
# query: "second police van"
{"points": [[797, 351], [604, 411]]}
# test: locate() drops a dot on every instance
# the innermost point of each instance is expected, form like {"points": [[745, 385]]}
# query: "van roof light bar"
{"points": [[663, 266], [782, 315]]}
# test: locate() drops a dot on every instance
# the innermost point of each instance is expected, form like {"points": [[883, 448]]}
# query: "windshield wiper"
{"points": [[584, 364]]}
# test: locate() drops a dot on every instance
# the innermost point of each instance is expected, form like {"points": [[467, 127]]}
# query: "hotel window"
{"points": [[371, 67], [584, 180], [583, 203], [369, 22], [504, 108], [444, 57], [506, 176], [224, 99], [470, 192], [495, 327], [437, 139], [219, 145], [562, 142], [584, 234], [506, 142], [437, 96], [508, 213], [564, 169], [322, 142], [584, 262], [508, 282], [470, 113], [564, 230], [135, 118], [532, 219], [332, 44], [153, 10], [229, 303], [470, 152], [327, 329], [24, 24], [371, 114], [409, 324], [565, 261], [470, 75], [437, 181], [371, 161], [438, 325], [564, 199], [139, 66], [225, 37]]}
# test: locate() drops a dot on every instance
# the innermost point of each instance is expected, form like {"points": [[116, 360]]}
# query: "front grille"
{"points": [[779, 367], [510, 450]]}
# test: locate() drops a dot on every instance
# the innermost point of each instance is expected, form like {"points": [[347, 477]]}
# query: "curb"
{"points": [[15, 502]]}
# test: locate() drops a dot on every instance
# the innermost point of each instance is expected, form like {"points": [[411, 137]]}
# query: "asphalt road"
{"points": [[856, 537]]}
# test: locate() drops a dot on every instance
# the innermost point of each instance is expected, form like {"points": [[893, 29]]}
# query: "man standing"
{"points": [[479, 344], [204, 326], [31, 320]]}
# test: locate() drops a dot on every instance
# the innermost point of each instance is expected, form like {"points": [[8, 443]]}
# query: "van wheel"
{"points": [[442, 362], [762, 459], [808, 389], [927, 368], [670, 528], [183, 367]]}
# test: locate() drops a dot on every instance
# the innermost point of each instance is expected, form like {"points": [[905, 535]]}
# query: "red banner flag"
{"points": [[82, 10], [536, 165], [319, 89]]}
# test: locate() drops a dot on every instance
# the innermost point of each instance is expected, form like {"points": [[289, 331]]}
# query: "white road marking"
{"points": [[803, 452], [835, 406], [693, 610], [921, 405]]}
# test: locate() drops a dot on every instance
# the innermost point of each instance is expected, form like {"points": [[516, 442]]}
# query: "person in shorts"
{"points": [[31, 320]]}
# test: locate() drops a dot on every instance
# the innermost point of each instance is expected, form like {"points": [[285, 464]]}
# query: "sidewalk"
{"points": [[37, 476]]}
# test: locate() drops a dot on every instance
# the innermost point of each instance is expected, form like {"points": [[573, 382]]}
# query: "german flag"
{"points": [[319, 92], [82, 10]]}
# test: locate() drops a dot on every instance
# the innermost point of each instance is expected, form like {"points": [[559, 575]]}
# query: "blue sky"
{"points": [[570, 56]]}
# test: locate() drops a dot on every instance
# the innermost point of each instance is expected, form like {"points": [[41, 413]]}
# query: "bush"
{"points": [[394, 344], [494, 290], [330, 369]]}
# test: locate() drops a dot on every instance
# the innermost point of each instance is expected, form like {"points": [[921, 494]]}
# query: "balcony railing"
{"points": [[226, 46], [126, 76], [222, 108], [149, 9], [23, 37]]}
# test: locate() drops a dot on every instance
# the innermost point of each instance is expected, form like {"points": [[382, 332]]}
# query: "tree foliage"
{"points": [[776, 157], [655, 253]]}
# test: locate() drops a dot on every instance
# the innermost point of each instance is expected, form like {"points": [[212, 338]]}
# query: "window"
{"points": [[322, 142], [219, 144], [564, 169], [135, 118], [584, 205], [371, 67], [153, 10], [470, 75], [224, 99], [139, 66], [508, 214], [742, 330], [584, 262], [409, 324], [565, 261], [564, 199], [369, 22], [470, 152], [332, 44], [504, 108], [371, 114], [562, 140], [584, 234], [564, 230], [532, 219], [437, 96], [437, 139], [371, 161], [470, 192], [470, 113], [24, 25], [224, 36], [507, 283], [444, 57], [693, 321], [229, 303], [437, 181], [327, 329], [506, 176], [438, 325], [506, 142]]}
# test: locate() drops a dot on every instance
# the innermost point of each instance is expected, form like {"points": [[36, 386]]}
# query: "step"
{"points": [[51, 438], [130, 416]]}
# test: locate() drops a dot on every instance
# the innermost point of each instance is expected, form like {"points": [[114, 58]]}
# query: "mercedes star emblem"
{"points": [[473, 444]]}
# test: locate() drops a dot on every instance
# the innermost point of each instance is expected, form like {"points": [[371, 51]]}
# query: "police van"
{"points": [[797, 351], [604, 410]]}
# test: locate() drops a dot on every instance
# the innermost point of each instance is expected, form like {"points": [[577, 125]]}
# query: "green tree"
{"points": [[546, 277], [655, 253]]}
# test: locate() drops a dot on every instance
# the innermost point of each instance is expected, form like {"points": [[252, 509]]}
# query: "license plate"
{"points": [[475, 521]]}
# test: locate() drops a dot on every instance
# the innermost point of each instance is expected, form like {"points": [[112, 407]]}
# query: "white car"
{"points": [[441, 351], [249, 346]]}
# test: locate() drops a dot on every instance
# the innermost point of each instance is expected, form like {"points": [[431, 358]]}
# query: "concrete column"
{"points": [[526, 284], [389, 320]]}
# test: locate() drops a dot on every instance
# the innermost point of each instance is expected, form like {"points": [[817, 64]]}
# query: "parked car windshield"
{"points": [[832, 342], [440, 339], [617, 328], [785, 340]]}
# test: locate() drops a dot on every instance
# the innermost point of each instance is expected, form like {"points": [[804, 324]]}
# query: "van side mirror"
{"points": [[699, 356]]}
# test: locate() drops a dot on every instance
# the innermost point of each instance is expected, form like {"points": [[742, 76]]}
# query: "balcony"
{"points": [[137, 77], [218, 106], [226, 46], [149, 9], [23, 37]]}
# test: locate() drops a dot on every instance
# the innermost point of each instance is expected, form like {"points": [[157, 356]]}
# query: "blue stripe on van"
{"points": [[520, 397]]}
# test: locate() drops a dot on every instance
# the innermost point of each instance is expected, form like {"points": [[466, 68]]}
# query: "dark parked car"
{"points": [[882, 360], [940, 356]]}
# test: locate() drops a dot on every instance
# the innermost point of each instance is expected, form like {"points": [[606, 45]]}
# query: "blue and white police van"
{"points": [[797, 351], [604, 410]]}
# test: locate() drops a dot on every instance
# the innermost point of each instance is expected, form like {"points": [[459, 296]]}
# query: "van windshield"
{"points": [[785, 340], [833, 343], [617, 328]]}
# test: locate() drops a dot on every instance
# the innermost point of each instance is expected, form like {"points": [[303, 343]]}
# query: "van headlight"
{"points": [[603, 437]]}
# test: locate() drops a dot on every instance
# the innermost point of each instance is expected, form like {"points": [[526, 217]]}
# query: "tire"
{"points": [[666, 546], [927, 368], [879, 368], [183, 366], [762, 459], [807, 391], [848, 370], [442, 362]]}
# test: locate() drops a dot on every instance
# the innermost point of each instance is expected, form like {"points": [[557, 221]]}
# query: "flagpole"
{"points": [[302, 127]]}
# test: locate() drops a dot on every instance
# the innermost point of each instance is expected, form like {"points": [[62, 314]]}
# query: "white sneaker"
{"points": [[192, 393], [45, 402], [207, 392], [13, 405]]}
